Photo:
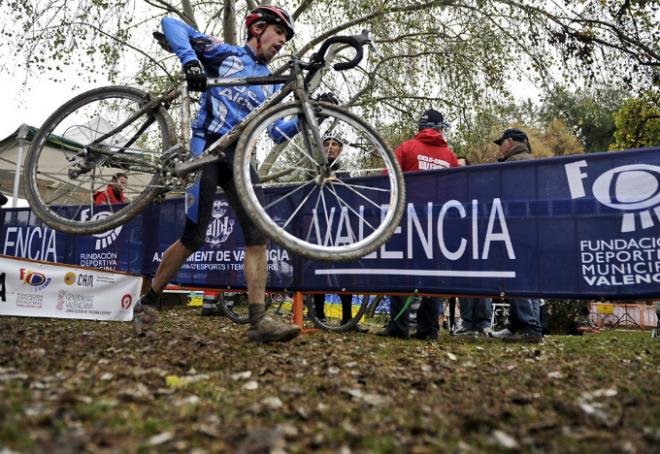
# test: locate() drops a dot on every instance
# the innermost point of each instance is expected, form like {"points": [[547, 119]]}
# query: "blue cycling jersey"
{"points": [[222, 108]]}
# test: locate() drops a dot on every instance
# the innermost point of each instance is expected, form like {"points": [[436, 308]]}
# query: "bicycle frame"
{"points": [[293, 83]]}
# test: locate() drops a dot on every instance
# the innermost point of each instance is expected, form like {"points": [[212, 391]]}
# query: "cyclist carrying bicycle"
{"points": [[268, 29]]}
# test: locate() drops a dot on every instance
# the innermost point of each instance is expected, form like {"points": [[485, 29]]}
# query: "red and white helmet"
{"points": [[271, 15]]}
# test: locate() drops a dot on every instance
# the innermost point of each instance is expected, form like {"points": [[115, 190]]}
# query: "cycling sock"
{"points": [[256, 312]]}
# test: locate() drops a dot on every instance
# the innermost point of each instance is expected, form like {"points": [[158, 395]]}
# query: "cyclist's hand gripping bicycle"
{"points": [[309, 206]]}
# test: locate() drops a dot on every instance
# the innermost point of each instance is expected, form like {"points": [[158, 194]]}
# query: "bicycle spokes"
{"points": [[333, 197], [84, 148]]}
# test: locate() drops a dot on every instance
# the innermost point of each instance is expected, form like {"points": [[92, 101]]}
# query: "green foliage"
{"points": [[460, 57], [588, 112], [563, 313], [638, 123]]}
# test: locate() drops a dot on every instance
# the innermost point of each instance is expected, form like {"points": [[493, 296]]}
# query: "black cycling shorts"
{"points": [[214, 175]]}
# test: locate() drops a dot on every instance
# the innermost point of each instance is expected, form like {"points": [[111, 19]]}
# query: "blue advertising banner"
{"points": [[579, 226], [584, 226]]}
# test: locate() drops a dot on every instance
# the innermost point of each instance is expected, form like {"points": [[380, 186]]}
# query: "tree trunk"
{"points": [[229, 22], [189, 14]]}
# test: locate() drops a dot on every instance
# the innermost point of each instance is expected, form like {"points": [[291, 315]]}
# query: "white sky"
{"points": [[33, 106]]}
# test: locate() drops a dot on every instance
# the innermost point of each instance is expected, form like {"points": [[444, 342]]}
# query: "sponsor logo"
{"points": [[221, 226], [75, 303], [34, 279], [81, 279], [126, 302], [625, 258], [633, 188], [104, 239], [70, 278], [85, 280], [3, 289], [29, 300], [60, 300]]}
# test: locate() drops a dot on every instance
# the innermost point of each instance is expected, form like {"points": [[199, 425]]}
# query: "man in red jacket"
{"points": [[428, 150], [114, 193]]}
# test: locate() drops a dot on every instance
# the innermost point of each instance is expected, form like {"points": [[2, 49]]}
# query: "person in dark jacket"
{"points": [[525, 314], [514, 146], [428, 150], [114, 193], [333, 144]]}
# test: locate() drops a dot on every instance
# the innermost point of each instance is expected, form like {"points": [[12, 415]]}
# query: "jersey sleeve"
{"points": [[178, 35], [283, 130]]}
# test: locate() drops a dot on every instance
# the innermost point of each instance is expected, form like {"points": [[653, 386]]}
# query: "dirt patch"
{"points": [[68, 386]]}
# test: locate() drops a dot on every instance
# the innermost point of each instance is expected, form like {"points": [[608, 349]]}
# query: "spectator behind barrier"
{"points": [[333, 144], [428, 150], [114, 193], [525, 323]]}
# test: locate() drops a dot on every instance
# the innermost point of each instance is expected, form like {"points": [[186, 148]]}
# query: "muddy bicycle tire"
{"points": [[86, 118], [237, 312], [310, 235], [337, 327]]}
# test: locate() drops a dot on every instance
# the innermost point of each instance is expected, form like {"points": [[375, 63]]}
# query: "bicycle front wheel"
{"points": [[74, 161], [338, 210]]}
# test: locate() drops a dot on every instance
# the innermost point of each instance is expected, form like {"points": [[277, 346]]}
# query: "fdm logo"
{"points": [[36, 280], [633, 188], [104, 239]]}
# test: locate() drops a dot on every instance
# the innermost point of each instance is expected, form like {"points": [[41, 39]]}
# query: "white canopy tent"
{"points": [[14, 148]]}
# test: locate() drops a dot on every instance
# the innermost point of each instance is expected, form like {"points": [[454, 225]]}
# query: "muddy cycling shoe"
{"points": [[524, 337], [269, 330], [144, 316]]}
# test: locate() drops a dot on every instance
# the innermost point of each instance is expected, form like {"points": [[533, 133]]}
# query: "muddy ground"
{"points": [[72, 386]]}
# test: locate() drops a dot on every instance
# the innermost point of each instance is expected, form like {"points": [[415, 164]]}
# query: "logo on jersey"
{"points": [[633, 188], [230, 66], [221, 226]]}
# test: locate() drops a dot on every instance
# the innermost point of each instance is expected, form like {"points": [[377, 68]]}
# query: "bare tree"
{"points": [[460, 56]]}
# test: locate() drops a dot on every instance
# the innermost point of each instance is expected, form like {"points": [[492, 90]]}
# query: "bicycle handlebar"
{"points": [[355, 41]]}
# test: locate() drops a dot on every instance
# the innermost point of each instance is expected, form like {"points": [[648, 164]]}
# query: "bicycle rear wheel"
{"points": [[339, 211], [235, 306], [329, 316], [81, 146], [377, 313]]}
